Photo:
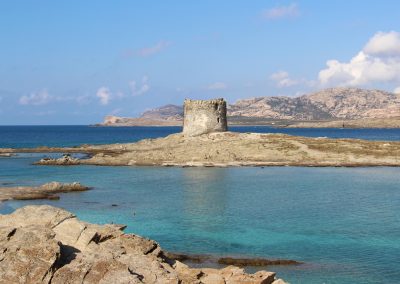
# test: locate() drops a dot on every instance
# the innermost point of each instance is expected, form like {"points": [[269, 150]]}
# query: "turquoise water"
{"points": [[343, 223]]}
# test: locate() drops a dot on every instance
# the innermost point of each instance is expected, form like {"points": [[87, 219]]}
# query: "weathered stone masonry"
{"points": [[204, 116]]}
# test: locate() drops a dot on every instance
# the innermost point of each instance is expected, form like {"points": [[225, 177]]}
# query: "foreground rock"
{"points": [[239, 149], [45, 191], [44, 244]]}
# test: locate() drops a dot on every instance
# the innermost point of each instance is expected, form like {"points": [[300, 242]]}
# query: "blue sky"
{"points": [[73, 62]]}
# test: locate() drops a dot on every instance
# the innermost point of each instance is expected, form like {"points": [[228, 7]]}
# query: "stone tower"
{"points": [[204, 116]]}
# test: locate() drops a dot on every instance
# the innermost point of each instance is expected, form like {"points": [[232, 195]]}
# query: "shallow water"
{"points": [[344, 223]]}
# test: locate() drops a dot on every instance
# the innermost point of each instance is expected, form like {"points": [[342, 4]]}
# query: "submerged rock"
{"points": [[255, 261], [7, 155], [43, 244], [241, 262]]}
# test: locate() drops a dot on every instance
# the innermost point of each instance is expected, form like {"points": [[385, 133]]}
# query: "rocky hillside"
{"points": [[168, 112], [169, 115], [328, 104], [335, 103]]}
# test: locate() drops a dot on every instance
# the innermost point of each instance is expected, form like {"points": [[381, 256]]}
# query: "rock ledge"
{"points": [[44, 244], [45, 191]]}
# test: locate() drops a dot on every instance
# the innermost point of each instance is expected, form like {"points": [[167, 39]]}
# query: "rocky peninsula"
{"points": [[232, 149], [44, 244]]}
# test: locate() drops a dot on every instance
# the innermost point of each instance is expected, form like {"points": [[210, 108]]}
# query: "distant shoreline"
{"points": [[383, 123]]}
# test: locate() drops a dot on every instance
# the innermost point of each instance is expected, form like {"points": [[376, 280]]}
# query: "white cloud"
{"points": [[279, 12], [397, 90], [36, 98], [142, 89], [283, 80], [384, 44], [377, 62], [217, 86], [158, 47], [104, 94]]}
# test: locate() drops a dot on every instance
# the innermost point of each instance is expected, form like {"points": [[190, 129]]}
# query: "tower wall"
{"points": [[204, 116]]}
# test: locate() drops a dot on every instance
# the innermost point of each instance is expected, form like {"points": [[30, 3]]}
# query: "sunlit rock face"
{"points": [[204, 116]]}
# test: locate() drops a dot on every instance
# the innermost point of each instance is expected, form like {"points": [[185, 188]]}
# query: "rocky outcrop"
{"points": [[65, 160], [44, 244], [204, 116], [45, 191]]}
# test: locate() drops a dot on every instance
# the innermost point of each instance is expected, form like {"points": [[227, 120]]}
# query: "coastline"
{"points": [[373, 123], [55, 246], [230, 149]]}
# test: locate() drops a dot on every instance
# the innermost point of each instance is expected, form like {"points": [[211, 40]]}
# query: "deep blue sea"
{"points": [[343, 223]]}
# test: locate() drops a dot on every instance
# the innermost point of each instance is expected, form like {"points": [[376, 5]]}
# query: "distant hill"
{"points": [[168, 112], [334, 103], [328, 104], [169, 115]]}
